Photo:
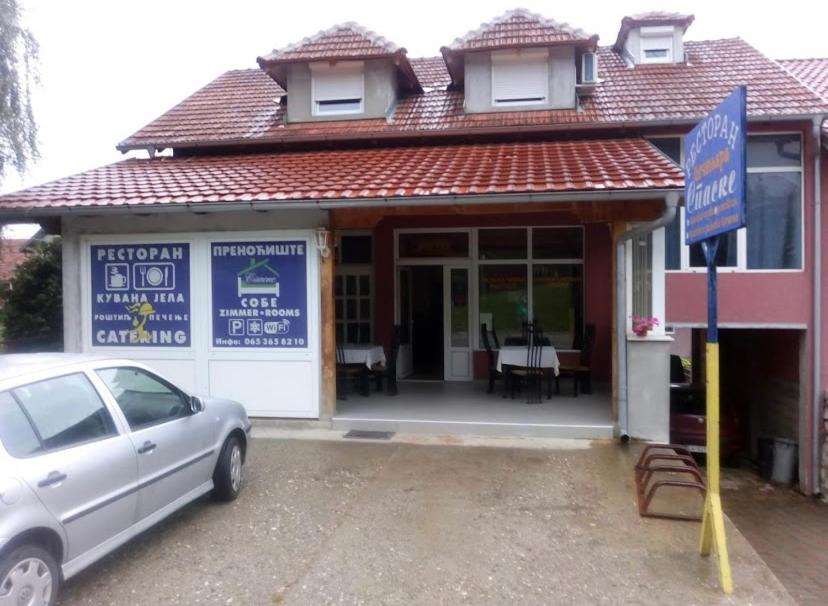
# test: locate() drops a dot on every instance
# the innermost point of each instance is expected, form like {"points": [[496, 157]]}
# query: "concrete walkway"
{"points": [[347, 522]]}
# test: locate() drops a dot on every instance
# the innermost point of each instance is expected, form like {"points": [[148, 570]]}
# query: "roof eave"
{"points": [[605, 195]]}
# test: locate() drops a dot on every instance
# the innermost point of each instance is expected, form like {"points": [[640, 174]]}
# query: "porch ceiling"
{"points": [[401, 176]]}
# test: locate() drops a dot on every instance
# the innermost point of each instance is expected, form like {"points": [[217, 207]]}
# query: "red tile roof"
{"points": [[239, 107], [519, 28], [340, 42], [390, 172], [813, 72]]}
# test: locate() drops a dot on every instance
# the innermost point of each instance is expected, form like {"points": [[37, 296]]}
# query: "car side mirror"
{"points": [[196, 404]]}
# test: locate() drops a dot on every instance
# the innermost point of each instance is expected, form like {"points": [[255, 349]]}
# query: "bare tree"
{"points": [[18, 72]]}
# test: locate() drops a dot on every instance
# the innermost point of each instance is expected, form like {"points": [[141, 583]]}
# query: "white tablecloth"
{"points": [[364, 354], [515, 355]]}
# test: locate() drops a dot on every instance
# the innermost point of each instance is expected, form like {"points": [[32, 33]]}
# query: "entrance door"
{"points": [[457, 336], [422, 321]]}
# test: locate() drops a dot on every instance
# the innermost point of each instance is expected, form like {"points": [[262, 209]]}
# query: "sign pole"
{"points": [[713, 532], [715, 161]]}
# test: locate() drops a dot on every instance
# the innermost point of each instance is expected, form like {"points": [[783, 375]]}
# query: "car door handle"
{"points": [[54, 477], [147, 447]]}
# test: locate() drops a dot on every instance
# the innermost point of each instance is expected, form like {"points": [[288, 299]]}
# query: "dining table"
{"points": [[517, 355], [370, 355]]}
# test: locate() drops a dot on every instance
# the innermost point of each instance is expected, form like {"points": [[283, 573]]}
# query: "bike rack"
{"points": [[665, 458]]}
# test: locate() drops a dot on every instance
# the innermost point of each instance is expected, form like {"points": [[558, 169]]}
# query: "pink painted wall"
{"points": [[598, 277]]}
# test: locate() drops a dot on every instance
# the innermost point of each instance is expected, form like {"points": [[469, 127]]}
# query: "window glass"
{"points": [[356, 250], [774, 238], [642, 275], [437, 244], [144, 398], [501, 243], [65, 411], [669, 146], [725, 254], [557, 243], [504, 295], [557, 302], [16, 433], [774, 151]]}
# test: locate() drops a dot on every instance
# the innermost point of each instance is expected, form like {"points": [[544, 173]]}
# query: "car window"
{"points": [[144, 398], [16, 433], [65, 411]]}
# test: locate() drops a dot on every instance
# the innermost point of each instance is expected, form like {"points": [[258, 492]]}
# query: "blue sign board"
{"points": [[260, 294], [140, 295], [714, 171]]}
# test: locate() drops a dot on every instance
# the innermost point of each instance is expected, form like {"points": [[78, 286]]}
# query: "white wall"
{"points": [[270, 382]]}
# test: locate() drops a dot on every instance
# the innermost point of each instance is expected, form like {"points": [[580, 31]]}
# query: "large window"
{"points": [[353, 292], [773, 237], [532, 274]]}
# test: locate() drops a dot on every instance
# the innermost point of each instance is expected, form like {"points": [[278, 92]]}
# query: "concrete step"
{"points": [[478, 428]]}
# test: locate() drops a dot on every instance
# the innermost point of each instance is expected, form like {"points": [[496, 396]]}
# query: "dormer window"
{"points": [[657, 44], [337, 88], [520, 77]]}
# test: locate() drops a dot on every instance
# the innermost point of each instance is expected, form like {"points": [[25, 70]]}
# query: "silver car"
{"points": [[94, 451]]}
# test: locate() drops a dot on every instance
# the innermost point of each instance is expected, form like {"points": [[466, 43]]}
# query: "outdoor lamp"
{"points": [[322, 242]]}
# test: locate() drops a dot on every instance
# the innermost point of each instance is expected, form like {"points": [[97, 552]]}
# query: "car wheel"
{"points": [[29, 576], [227, 478]]}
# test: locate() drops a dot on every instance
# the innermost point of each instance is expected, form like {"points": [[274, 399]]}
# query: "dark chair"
{"points": [[349, 373], [494, 337], [515, 342], [580, 373], [532, 374], [491, 357], [677, 374], [388, 371]]}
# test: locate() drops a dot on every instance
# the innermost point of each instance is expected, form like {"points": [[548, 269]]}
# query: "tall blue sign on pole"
{"points": [[715, 174]]}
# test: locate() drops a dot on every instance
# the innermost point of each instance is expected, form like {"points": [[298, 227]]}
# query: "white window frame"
{"points": [[657, 38], [741, 235], [473, 262], [508, 58], [357, 270], [341, 69]]}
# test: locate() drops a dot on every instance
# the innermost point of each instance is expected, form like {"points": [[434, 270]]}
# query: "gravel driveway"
{"points": [[346, 522]]}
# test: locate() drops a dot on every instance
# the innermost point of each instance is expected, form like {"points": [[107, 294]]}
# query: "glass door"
{"points": [[405, 361], [457, 322]]}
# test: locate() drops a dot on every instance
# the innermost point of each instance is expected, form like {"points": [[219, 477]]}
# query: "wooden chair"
{"points": [[345, 373], [388, 371], [532, 374], [491, 357], [580, 373]]}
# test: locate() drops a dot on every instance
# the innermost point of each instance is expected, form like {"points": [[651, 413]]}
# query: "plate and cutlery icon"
{"points": [[153, 276]]}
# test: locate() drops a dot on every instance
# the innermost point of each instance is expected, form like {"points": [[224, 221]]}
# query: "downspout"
{"points": [[816, 337], [670, 209]]}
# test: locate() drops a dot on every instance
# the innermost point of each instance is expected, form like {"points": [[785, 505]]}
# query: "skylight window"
{"points": [[520, 78], [337, 89]]}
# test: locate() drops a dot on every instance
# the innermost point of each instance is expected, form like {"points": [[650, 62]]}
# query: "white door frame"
{"points": [[464, 369]]}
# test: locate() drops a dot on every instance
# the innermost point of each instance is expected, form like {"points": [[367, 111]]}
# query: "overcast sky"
{"points": [[110, 66]]}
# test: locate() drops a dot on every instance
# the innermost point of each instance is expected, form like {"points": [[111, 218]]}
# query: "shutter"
{"points": [[343, 81], [520, 78]]}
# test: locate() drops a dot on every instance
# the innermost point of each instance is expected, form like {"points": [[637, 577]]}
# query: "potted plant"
{"points": [[641, 326]]}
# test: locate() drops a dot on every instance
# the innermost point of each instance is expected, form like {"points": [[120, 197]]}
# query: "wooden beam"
{"points": [[328, 330]]}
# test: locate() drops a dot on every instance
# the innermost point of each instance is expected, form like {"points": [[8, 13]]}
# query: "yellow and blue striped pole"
{"points": [[713, 538]]}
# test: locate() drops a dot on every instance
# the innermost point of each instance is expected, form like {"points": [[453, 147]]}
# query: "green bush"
{"points": [[31, 305]]}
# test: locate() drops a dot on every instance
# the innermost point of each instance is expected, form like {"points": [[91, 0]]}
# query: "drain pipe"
{"points": [[670, 210], [816, 338]]}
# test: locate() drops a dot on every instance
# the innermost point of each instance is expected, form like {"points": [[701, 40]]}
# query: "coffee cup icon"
{"points": [[116, 277]]}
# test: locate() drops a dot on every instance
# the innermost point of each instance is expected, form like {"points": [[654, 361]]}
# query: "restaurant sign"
{"points": [[140, 295], [260, 294], [714, 171]]}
